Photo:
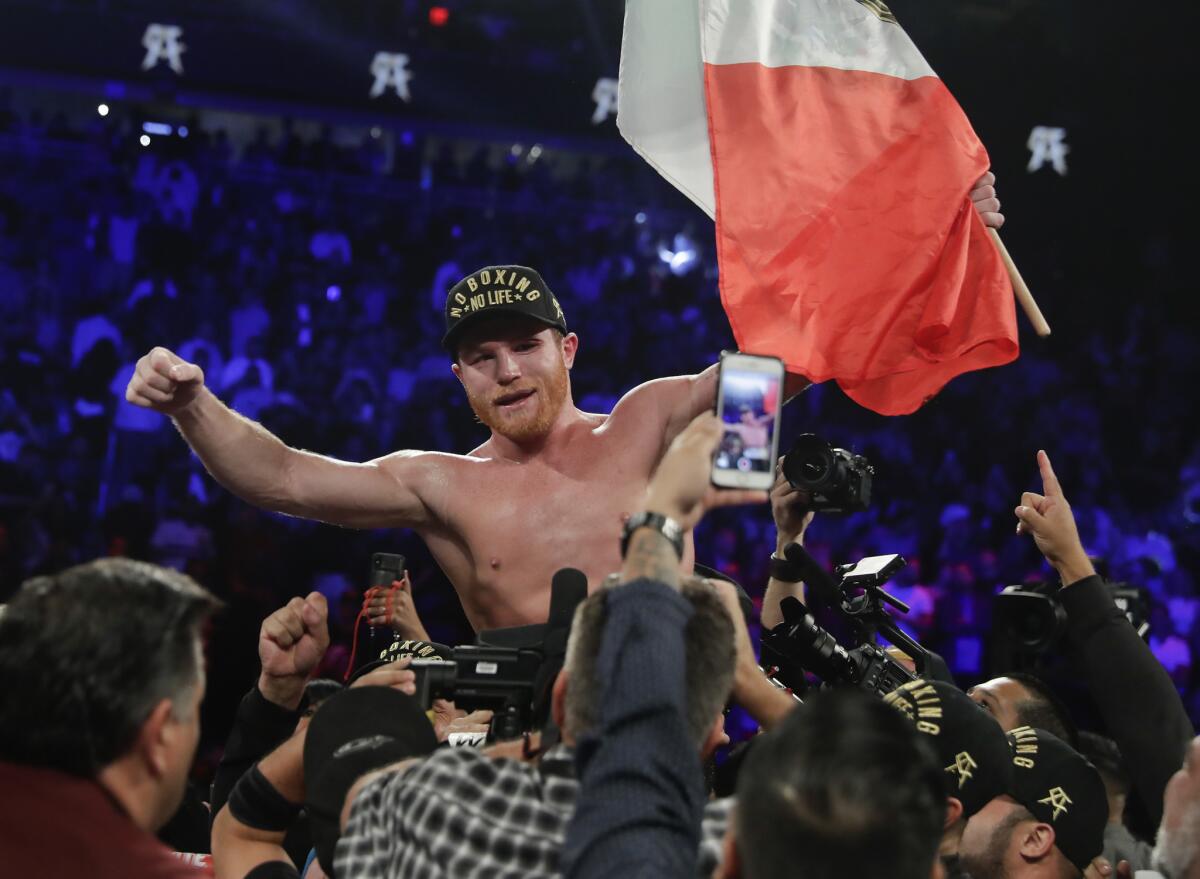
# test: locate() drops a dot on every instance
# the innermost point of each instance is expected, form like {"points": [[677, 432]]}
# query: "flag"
{"points": [[837, 167]]}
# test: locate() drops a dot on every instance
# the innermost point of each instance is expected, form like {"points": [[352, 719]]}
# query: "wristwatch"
{"points": [[665, 526], [784, 570]]}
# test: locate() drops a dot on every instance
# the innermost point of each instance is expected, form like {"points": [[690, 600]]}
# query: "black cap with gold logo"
{"points": [[500, 290], [1061, 788], [974, 753]]}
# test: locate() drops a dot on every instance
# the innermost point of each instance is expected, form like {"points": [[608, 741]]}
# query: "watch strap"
{"points": [[784, 571], [667, 527]]}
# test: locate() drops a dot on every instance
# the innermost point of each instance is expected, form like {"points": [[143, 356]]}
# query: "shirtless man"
{"points": [[549, 489]]}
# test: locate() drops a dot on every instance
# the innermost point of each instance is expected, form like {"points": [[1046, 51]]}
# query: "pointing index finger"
{"points": [[1049, 481]]}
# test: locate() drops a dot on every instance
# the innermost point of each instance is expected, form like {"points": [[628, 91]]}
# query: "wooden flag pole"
{"points": [[1021, 290]]}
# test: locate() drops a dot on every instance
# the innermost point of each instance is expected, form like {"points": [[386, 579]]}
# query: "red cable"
{"points": [[387, 606]]}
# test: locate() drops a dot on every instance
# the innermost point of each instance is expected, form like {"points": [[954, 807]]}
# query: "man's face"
{"points": [[181, 744], [514, 371], [1177, 848], [1000, 696], [989, 845]]}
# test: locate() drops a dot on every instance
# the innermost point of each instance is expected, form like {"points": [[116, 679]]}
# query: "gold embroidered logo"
{"points": [[880, 9], [962, 766], [1058, 801]]}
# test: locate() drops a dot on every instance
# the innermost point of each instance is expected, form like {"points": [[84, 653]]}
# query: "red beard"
{"points": [[533, 420]]}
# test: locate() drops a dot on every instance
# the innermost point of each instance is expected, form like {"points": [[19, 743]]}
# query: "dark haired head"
{"points": [[846, 786], [1044, 710], [86, 654], [710, 651], [317, 691]]}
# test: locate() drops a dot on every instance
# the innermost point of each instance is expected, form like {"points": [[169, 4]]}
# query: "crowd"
{"points": [[104, 671], [307, 279]]}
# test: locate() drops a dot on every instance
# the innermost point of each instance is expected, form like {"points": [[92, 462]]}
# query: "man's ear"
{"points": [[154, 737], [457, 370], [570, 346], [954, 811], [1037, 841], [716, 737], [558, 699]]}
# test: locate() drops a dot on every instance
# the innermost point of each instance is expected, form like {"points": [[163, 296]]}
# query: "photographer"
{"points": [[1138, 702], [641, 794], [789, 508]]}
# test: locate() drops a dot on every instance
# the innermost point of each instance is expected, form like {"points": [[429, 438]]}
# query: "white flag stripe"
{"points": [[660, 95], [843, 34]]}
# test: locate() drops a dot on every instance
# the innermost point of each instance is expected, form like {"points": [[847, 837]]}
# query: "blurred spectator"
{"points": [[101, 679]]}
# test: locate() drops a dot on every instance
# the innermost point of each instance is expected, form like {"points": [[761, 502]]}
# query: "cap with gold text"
{"points": [[495, 291]]}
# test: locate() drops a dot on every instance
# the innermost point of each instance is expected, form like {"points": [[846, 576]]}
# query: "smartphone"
{"points": [[386, 567], [749, 399]]}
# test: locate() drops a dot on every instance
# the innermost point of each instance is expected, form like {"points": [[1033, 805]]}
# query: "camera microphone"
{"points": [[568, 587], [823, 588]]}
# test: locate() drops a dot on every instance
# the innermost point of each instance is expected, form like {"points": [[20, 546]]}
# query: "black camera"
{"points": [[800, 644], [1030, 618], [502, 680], [835, 480], [510, 671]]}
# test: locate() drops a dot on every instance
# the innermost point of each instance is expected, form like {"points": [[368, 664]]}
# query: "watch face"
{"points": [[668, 528]]}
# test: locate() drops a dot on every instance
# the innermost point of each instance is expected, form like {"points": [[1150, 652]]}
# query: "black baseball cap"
{"points": [[399, 649], [494, 291], [1061, 788], [972, 748], [354, 732]]}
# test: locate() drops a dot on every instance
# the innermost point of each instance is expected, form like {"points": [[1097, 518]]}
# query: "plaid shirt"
{"points": [[461, 814]]}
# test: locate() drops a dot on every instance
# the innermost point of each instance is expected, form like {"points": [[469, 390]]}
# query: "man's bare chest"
{"points": [[587, 486]]}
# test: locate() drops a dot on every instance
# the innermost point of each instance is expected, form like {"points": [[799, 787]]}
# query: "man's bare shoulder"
{"points": [[662, 399], [425, 472], [416, 459]]}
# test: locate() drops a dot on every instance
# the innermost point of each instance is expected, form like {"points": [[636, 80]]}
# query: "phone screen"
{"points": [[749, 408]]}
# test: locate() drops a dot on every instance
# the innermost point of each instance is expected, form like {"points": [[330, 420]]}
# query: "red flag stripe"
{"points": [[847, 243]]}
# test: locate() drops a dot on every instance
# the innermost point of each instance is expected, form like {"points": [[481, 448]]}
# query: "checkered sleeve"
{"points": [[718, 815], [364, 849], [457, 813]]}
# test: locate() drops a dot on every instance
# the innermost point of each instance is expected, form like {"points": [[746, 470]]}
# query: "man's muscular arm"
{"points": [[258, 467], [677, 400]]}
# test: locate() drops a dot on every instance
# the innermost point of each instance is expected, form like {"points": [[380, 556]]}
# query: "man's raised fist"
{"points": [[164, 382]]}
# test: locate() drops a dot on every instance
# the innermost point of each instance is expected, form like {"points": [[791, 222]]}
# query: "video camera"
{"points": [[502, 680], [508, 671], [836, 480], [801, 644], [1030, 618]]}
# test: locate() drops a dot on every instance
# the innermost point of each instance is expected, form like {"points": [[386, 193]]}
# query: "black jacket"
{"points": [[1136, 697]]}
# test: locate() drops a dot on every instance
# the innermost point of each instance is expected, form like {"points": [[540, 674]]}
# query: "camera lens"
{"points": [[810, 464]]}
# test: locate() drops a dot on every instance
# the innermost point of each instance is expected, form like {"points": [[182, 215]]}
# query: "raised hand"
{"points": [[395, 674], [789, 507], [983, 194], [1048, 518], [291, 644], [394, 607], [165, 382]]}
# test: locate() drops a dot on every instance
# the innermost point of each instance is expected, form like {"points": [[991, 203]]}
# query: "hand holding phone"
{"points": [[749, 397], [680, 488]]}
